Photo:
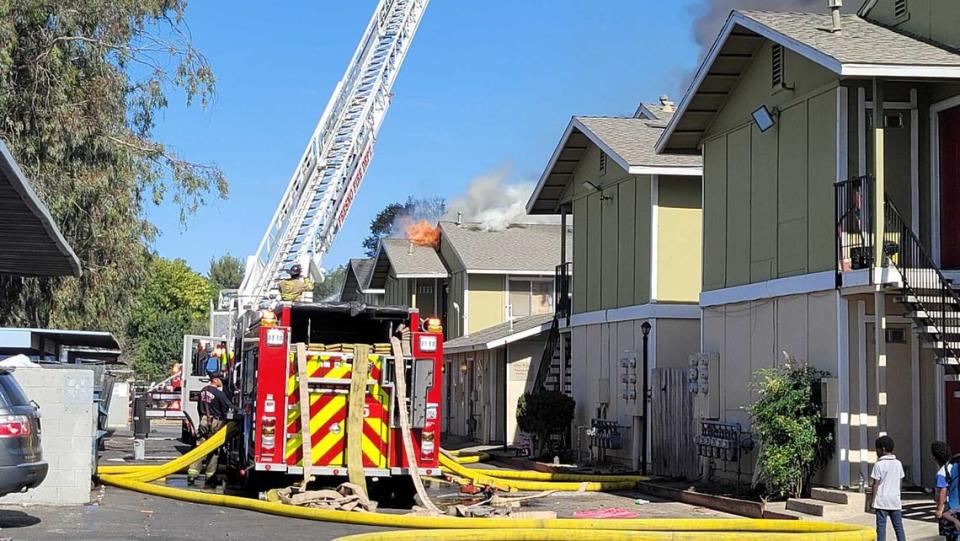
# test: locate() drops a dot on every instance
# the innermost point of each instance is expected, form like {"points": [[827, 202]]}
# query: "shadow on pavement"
{"points": [[16, 519]]}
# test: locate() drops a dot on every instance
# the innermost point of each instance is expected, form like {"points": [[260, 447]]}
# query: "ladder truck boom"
{"points": [[328, 175]]}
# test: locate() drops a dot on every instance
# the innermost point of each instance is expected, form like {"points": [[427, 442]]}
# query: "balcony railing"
{"points": [[934, 303], [562, 290], [854, 225]]}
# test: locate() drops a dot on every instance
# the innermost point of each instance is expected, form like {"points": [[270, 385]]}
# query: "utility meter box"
{"points": [[703, 380], [830, 398]]}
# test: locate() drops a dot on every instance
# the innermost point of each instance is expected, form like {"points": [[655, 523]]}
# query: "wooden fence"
{"points": [[673, 453]]}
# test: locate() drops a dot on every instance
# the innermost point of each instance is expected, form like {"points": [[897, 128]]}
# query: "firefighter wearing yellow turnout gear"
{"points": [[293, 288]]}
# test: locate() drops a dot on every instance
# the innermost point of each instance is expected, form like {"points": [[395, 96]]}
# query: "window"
{"points": [[12, 392], [530, 296], [777, 66]]}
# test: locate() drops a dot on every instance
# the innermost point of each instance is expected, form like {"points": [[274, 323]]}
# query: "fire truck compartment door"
{"points": [[422, 382]]}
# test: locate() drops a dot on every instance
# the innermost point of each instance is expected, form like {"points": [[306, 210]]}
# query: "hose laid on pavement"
{"points": [[587, 483], [851, 533], [149, 472], [463, 457], [137, 477]]}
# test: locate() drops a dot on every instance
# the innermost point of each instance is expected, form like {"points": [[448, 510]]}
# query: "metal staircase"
{"points": [[321, 191], [931, 299], [555, 365]]}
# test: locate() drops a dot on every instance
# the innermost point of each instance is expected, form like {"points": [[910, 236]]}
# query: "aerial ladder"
{"points": [[328, 175]]}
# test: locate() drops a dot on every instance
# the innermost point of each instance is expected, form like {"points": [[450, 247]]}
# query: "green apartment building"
{"points": [[830, 225]]}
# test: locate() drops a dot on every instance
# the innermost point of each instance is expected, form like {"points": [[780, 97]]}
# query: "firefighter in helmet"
{"points": [[293, 288], [213, 406]]}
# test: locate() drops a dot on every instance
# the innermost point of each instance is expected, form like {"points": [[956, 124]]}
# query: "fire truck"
{"points": [[265, 381]]}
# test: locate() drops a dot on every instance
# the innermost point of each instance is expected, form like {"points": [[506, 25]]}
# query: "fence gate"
{"points": [[673, 453]]}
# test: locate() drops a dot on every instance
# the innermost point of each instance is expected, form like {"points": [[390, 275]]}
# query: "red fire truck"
{"points": [[265, 382]]}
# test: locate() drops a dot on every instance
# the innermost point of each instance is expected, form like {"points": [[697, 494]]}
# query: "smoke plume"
{"points": [[495, 203], [709, 15]]}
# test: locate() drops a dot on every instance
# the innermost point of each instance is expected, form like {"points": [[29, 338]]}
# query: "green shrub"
{"points": [[795, 439], [544, 414]]}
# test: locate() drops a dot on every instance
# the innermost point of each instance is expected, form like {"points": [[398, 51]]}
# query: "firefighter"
{"points": [[213, 406], [293, 288]]}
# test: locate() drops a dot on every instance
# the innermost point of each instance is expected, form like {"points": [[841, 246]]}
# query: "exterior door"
{"points": [[949, 122], [952, 404]]}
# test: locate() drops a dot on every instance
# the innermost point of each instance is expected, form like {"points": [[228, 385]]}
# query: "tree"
{"points": [[226, 272], [81, 83], [331, 284], [386, 222], [173, 301]]}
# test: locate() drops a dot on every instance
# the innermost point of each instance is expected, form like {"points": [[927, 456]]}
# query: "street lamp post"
{"points": [[645, 328]]}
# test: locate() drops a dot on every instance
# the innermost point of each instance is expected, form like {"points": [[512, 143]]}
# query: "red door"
{"points": [[950, 188], [952, 399]]}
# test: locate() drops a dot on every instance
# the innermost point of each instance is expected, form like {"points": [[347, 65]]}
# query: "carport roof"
{"points": [[22, 338], [500, 335], [860, 49], [30, 242]]}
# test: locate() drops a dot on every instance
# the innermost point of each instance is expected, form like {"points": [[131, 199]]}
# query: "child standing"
{"points": [[885, 489]]}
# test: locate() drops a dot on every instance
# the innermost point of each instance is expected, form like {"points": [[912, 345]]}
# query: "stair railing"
{"points": [[546, 360], [921, 278]]}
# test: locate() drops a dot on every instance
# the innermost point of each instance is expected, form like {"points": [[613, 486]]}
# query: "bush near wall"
{"points": [[795, 439]]}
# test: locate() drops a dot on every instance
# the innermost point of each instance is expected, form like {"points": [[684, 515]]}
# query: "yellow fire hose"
{"points": [[586, 483], [853, 532], [479, 529], [461, 457]]}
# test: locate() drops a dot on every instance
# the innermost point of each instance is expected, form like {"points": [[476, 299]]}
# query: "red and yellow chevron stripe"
{"points": [[328, 413]]}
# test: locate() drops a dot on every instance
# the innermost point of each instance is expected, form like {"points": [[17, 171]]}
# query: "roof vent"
{"points": [[666, 104], [835, 6], [459, 217], [900, 9], [776, 66]]}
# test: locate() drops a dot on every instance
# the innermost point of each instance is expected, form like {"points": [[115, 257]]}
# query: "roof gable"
{"points": [[862, 48], [628, 141]]}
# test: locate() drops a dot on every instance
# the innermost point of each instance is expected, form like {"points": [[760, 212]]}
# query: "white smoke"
{"points": [[495, 203]]}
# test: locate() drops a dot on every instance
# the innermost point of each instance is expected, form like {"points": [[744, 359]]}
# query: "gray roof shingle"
{"points": [[481, 339], [859, 42], [363, 270], [408, 259], [518, 248], [634, 139]]}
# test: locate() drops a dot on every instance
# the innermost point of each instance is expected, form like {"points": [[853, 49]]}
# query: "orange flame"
{"points": [[423, 234]]}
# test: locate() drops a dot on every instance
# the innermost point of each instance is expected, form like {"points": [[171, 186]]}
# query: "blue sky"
{"points": [[487, 86]]}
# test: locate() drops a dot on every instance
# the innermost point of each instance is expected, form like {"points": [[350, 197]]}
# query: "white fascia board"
{"points": [[697, 81], [500, 342], [639, 311], [780, 287], [422, 275], [373, 291], [534, 331], [550, 165], [595, 139], [545, 273], [667, 170], [738, 19], [900, 70]]}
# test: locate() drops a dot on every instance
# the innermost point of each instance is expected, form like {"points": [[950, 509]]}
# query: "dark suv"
{"points": [[21, 458]]}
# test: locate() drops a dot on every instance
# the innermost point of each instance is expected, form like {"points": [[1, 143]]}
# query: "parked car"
{"points": [[21, 458]]}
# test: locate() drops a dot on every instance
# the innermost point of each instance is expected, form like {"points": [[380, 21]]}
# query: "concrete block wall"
{"points": [[67, 417]]}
